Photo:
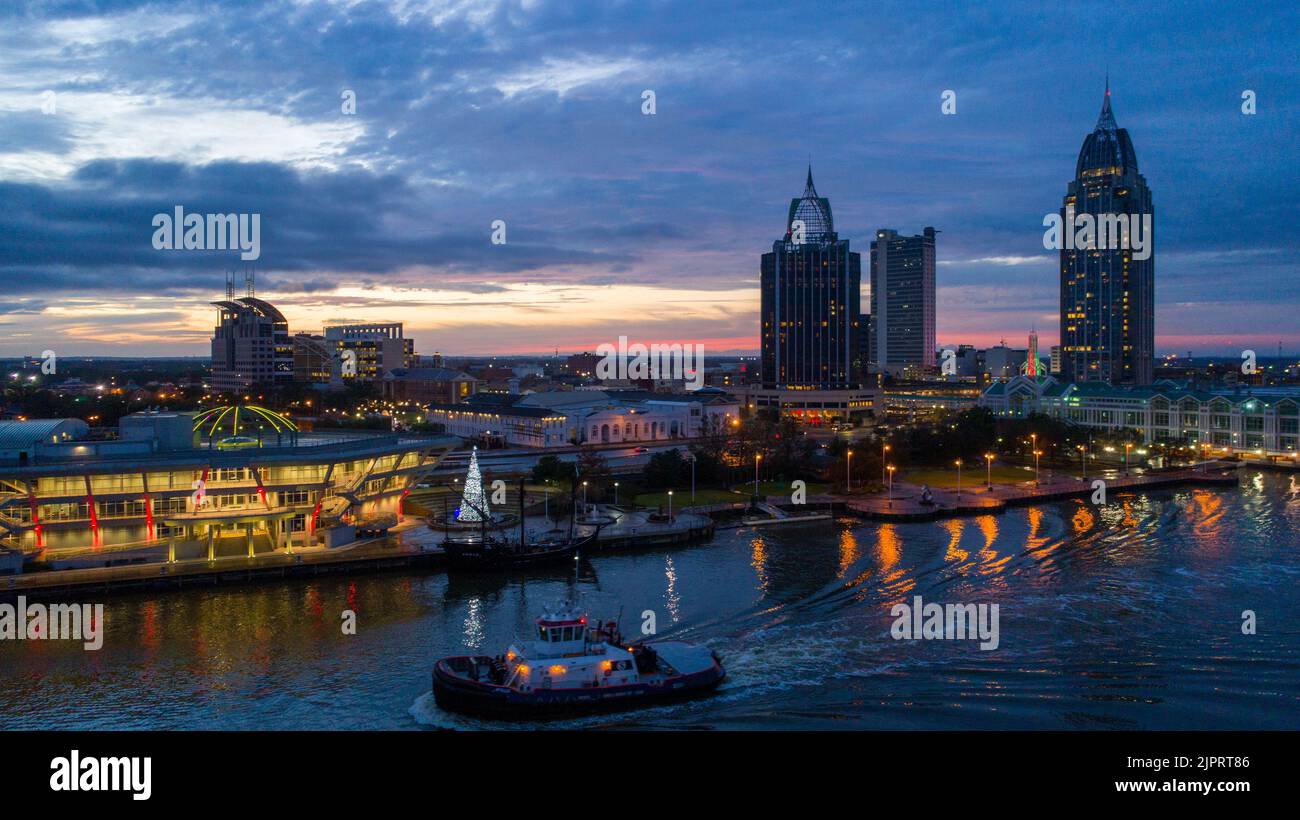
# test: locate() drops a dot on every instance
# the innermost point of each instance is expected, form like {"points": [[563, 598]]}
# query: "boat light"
{"points": [[557, 670]]}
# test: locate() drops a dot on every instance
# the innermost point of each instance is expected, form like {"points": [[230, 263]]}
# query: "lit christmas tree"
{"points": [[473, 497]]}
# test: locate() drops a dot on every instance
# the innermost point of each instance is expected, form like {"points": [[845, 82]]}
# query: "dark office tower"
{"points": [[902, 302], [811, 305], [1108, 291]]}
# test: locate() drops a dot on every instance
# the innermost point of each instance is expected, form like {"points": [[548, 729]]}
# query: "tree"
{"points": [[550, 469], [593, 469], [666, 469]]}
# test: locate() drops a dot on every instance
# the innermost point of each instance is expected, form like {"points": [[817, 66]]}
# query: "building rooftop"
{"points": [[24, 435]]}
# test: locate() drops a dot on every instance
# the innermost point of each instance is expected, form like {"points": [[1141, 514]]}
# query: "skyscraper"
{"points": [[811, 302], [902, 301], [1107, 292], [250, 344]]}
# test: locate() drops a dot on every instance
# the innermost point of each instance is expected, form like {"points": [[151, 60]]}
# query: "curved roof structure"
{"points": [[23, 435], [234, 417], [261, 307], [815, 213], [1108, 148]]}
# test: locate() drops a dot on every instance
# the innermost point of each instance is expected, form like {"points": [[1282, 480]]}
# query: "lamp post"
{"points": [[584, 498], [988, 462], [615, 493], [1083, 463], [757, 458], [670, 505], [848, 472], [1037, 453], [890, 468], [958, 479], [692, 478], [1127, 447], [884, 452]]}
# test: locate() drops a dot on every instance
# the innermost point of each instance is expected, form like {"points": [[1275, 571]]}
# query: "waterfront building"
{"points": [[162, 484], [251, 347], [1257, 419], [1107, 311], [903, 302], [366, 352], [562, 417]]}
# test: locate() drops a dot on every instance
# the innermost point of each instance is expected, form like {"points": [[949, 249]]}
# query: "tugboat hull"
{"points": [[455, 693]]}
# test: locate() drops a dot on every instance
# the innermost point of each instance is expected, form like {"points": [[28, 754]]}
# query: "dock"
{"points": [[981, 500]]}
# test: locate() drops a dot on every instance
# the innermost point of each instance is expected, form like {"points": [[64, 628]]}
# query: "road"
{"points": [[622, 459]]}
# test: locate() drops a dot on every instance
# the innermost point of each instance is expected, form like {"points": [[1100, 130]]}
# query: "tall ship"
{"points": [[573, 667]]}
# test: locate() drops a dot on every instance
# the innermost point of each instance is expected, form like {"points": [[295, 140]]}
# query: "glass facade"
{"points": [[811, 303]]}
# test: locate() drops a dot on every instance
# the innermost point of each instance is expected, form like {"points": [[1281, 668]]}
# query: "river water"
{"points": [[1126, 617]]}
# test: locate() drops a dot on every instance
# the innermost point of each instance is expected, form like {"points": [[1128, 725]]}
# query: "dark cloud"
{"points": [[469, 112]]}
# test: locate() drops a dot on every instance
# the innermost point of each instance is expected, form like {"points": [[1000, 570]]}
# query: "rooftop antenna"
{"points": [[230, 285], [248, 282]]}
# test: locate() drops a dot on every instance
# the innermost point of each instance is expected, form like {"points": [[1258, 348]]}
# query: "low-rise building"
{"points": [[162, 483], [1259, 419], [429, 385]]}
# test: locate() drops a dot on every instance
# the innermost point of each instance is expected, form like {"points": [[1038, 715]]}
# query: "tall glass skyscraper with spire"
{"points": [[811, 302], [1107, 295]]}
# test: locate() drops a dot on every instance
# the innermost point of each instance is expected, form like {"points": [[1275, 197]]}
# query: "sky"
{"points": [[619, 222]]}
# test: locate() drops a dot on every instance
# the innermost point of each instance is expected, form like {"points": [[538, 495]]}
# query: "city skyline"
{"points": [[385, 215]]}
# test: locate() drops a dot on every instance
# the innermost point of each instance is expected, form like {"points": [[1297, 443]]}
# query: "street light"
{"points": [[890, 468], [1127, 447], [1037, 453], [884, 450], [692, 478], [1083, 463], [848, 472], [584, 497], [988, 461], [958, 479], [670, 505], [757, 458], [615, 493]]}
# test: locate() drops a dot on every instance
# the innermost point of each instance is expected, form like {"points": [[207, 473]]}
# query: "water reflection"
{"points": [[1125, 615]]}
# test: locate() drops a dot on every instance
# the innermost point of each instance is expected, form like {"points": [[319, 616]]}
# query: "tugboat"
{"points": [[573, 668]]}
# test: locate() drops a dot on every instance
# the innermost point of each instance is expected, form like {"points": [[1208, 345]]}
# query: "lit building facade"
{"points": [[810, 302], [159, 486], [367, 352], [1107, 311], [251, 347], [1262, 419]]}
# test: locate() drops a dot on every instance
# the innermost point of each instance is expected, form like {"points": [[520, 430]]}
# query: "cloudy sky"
{"points": [[619, 223]]}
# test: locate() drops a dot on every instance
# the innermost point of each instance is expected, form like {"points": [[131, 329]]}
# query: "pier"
{"points": [[981, 499]]}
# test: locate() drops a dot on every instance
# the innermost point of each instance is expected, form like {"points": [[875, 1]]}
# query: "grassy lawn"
{"points": [[783, 488], [682, 498], [970, 476]]}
